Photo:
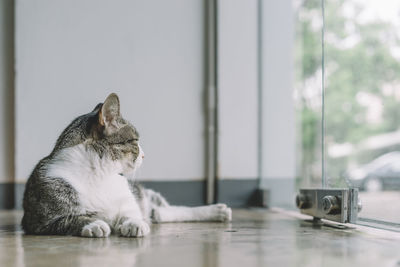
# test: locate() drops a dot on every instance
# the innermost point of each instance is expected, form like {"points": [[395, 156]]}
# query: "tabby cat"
{"points": [[85, 187]]}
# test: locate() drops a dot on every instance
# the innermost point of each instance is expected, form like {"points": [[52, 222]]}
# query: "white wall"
{"points": [[237, 89], [278, 117], [71, 54], [6, 91], [278, 104]]}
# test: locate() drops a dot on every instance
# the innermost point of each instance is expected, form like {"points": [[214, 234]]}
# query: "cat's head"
{"points": [[106, 133]]}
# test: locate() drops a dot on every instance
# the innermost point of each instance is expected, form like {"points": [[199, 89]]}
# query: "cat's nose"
{"points": [[142, 156]]}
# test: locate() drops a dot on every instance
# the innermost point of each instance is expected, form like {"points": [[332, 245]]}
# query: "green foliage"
{"points": [[364, 67], [311, 60]]}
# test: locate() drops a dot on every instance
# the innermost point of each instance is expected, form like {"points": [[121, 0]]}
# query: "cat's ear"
{"points": [[97, 108], [109, 112]]}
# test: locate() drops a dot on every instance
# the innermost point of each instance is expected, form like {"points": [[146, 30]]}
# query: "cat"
{"points": [[86, 186]]}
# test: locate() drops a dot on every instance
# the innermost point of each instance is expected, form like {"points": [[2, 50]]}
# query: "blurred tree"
{"points": [[362, 78]]}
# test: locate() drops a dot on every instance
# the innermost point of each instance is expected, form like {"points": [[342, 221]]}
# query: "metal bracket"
{"points": [[339, 205]]}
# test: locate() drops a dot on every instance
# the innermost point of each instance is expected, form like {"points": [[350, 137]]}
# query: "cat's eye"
{"points": [[121, 143], [129, 141]]}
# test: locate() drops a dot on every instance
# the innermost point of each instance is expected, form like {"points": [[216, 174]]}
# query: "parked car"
{"points": [[383, 173]]}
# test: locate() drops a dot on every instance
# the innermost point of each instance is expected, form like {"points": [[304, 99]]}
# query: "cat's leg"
{"points": [[217, 213], [156, 198], [133, 227], [52, 207], [97, 228], [79, 225], [131, 222]]}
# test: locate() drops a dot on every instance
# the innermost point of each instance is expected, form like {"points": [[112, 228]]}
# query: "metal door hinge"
{"points": [[339, 205]]}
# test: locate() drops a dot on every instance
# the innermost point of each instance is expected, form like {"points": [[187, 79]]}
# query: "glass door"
{"points": [[360, 130], [362, 106]]}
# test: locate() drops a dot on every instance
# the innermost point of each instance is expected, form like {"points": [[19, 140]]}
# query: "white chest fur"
{"points": [[100, 187]]}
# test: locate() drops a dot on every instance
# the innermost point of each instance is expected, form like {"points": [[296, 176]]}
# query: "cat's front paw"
{"points": [[222, 212], [97, 228], [134, 228]]}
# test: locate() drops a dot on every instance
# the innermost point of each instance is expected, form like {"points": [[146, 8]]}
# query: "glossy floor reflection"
{"points": [[254, 238]]}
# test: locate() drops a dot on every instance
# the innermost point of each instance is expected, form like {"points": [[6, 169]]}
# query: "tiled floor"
{"points": [[254, 238]]}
